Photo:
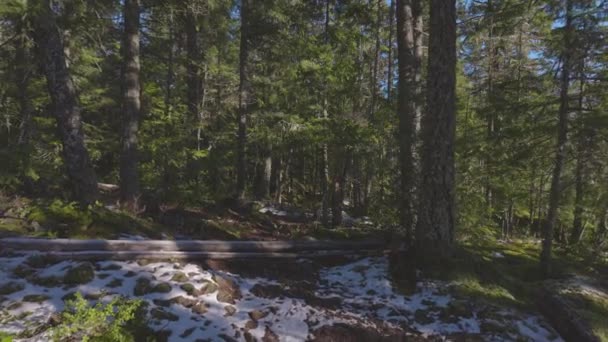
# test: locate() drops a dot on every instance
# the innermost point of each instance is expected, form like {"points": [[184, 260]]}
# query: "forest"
{"points": [[399, 169]]}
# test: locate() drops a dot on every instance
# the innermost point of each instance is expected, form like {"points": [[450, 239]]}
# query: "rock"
{"points": [[55, 319], [81, 274], [46, 281], [162, 302], [208, 288], [183, 301], [161, 288], [187, 332], [142, 286], [423, 317], [228, 291], [257, 315], [251, 325], [116, 282], [111, 267], [230, 310], [10, 287], [130, 274], [200, 308], [94, 295], [36, 298], [270, 336], [69, 296], [179, 277], [161, 314], [190, 289], [248, 337]]}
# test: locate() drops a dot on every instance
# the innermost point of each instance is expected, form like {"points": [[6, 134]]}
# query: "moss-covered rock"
{"points": [[36, 298], [188, 288], [142, 287], [11, 287], [179, 277], [80, 274], [46, 281], [116, 282], [228, 290], [162, 288], [200, 308], [163, 315]]}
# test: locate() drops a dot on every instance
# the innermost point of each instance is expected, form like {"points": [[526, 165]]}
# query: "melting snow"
{"points": [[365, 297]]}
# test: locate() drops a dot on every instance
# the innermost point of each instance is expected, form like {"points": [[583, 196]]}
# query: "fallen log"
{"points": [[563, 318], [73, 245], [191, 255]]}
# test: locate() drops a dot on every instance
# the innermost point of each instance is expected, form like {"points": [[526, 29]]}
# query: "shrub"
{"points": [[81, 321]]}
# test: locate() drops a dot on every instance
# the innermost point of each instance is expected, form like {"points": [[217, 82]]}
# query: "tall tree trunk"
{"points": [[194, 80], [406, 111], [324, 150], [389, 80], [338, 193], [129, 179], [244, 98], [560, 153], [582, 153], [170, 68], [83, 182], [436, 214], [374, 80], [22, 81], [418, 55], [490, 100], [264, 174]]}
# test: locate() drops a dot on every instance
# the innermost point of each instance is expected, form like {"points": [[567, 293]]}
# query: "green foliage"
{"points": [[4, 337], [102, 322]]}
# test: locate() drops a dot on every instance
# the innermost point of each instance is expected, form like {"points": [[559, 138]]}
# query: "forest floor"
{"points": [[20, 216], [489, 291], [338, 300]]}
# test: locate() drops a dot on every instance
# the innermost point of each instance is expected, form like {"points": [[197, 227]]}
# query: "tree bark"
{"points": [[389, 80], [406, 111], [170, 77], [194, 79], [22, 81], [244, 98], [436, 214], [129, 178], [560, 153], [582, 154], [324, 150], [81, 176], [338, 193]]}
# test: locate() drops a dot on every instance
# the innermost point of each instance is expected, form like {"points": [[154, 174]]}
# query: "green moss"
{"points": [[46, 281], [142, 287], [40, 261], [188, 288], [116, 282], [162, 288], [10, 287], [593, 309], [35, 298], [80, 274], [470, 287], [179, 277], [161, 314]]}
